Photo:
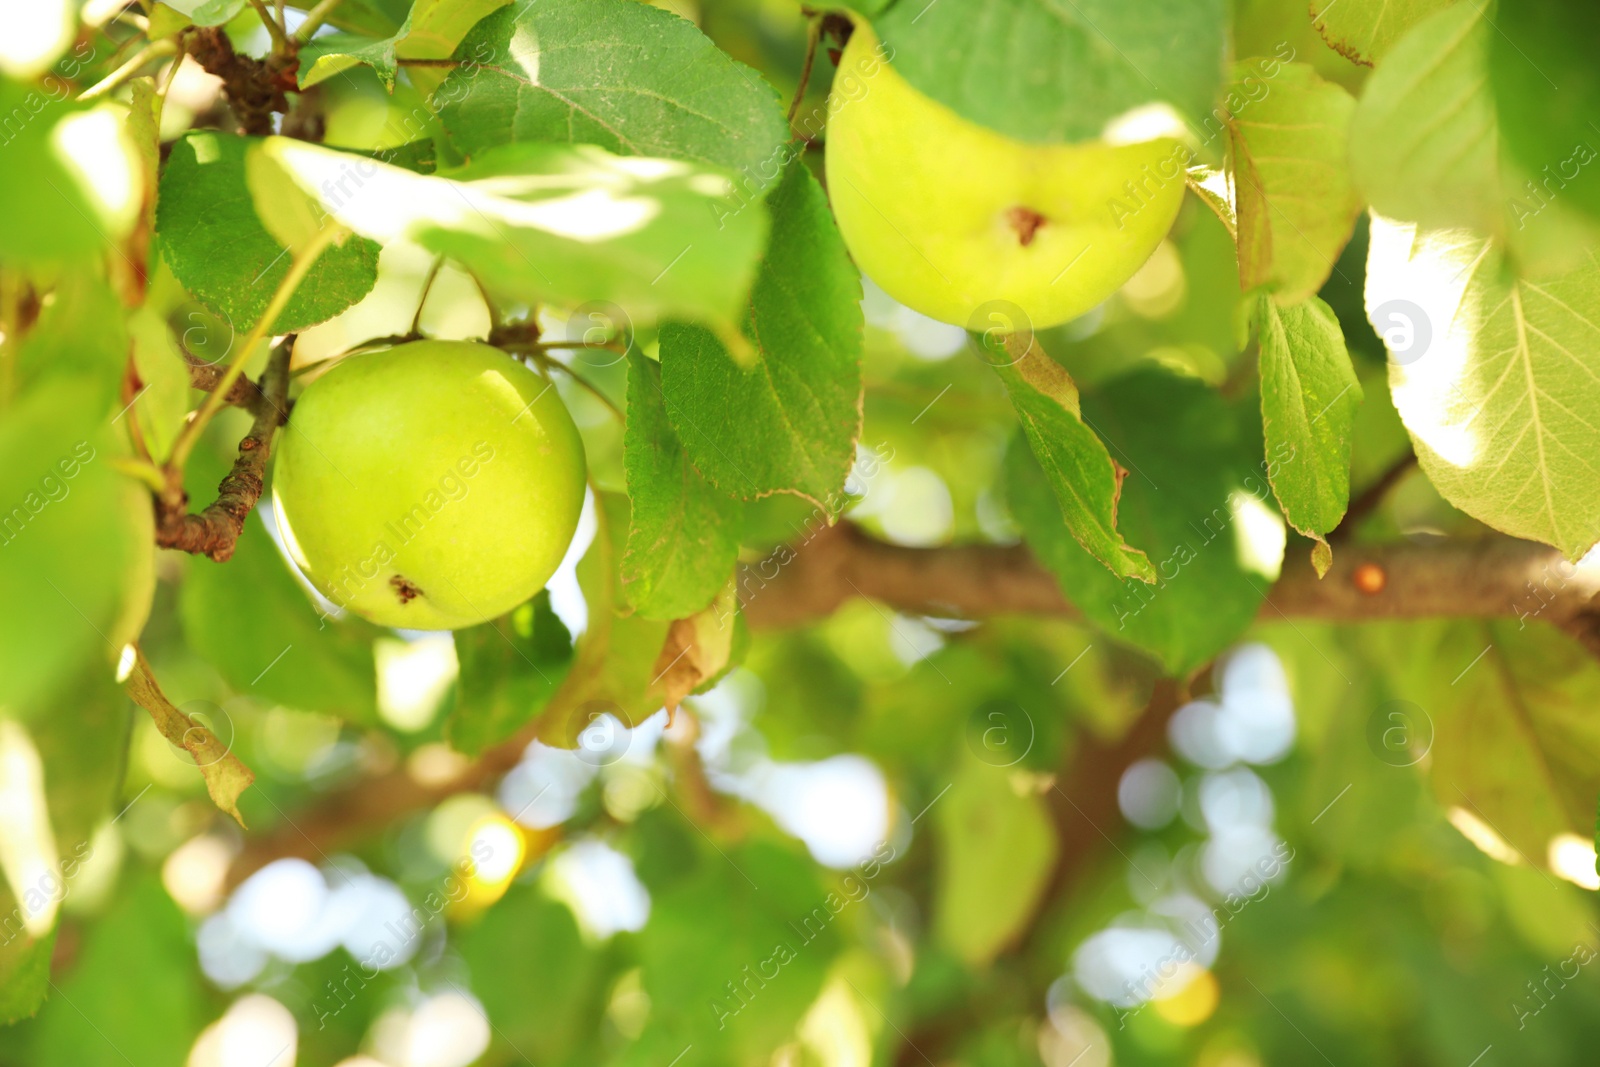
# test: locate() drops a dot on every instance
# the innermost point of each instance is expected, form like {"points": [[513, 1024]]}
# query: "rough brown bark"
{"points": [[1493, 577], [214, 532]]}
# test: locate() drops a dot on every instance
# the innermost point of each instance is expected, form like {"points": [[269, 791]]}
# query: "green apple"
{"points": [[429, 486], [948, 216]]}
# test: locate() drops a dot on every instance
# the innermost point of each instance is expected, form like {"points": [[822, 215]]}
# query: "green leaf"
{"points": [[1495, 379], [71, 182], [1193, 496], [1041, 71], [208, 12], [254, 623], [225, 775], [1516, 743], [789, 423], [557, 222], [24, 970], [1296, 204], [102, 1018], [323, 57], [163, 400], [629, 77], [1423, 140], [539, 982], [83, 746], [79, 333], [1086, 482], [772, 931], [615, 662], [1363, 31], [216, 245], [683, 534], [1550, 130], [996, 850], [1309, 396], [75, 542], [1428, 146], [432, 30], [510, 666]]}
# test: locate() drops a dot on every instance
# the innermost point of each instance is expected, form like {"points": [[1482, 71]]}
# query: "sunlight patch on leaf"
{"points": [[566, 223], [1496, 379]]}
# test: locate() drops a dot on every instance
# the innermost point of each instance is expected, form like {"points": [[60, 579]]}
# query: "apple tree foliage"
{"points": [[1340, 433]]}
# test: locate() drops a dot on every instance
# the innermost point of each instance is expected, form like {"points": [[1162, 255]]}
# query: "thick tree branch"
{"points": [[1494, 577], [255, 87], [1490, 578], [215, 531]]}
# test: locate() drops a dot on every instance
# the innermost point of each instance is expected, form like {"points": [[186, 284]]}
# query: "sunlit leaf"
{"points": [[1213, 543], [1086, 481], [1496, 379], [569, 224], [217, 247], [1309, 396], [1295, 201], [1364, 30]]}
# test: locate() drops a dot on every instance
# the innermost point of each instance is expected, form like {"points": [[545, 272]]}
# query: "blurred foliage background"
{"points": [[883, 838]]}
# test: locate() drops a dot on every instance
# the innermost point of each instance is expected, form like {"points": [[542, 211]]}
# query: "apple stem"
{"points": [[813, 38], [422, 297], [1026, 222], [546, 363]]}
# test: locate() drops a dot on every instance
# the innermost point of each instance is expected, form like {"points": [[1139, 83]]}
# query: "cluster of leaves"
{"points": [[624, 187]]}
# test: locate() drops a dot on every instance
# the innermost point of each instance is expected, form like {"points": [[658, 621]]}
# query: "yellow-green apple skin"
{"points": [[429, 486], [947, 216]]}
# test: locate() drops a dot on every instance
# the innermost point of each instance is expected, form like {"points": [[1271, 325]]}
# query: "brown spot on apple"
{"points": [[404, 589], [1026, 222]]}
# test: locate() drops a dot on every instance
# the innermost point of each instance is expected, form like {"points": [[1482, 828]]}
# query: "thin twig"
{"points": [[422, 298], [585, 383], [548, 346], [280, 40], [132, 386], [215, 531], [1372, 496], [243, 393], [280, 298], [314, 20], [813, 38], [172, 76], [488, 303], [153, 50]]}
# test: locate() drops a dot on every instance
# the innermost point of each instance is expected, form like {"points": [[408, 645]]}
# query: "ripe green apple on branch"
{"points": [[950, 217], [433, 485]]}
